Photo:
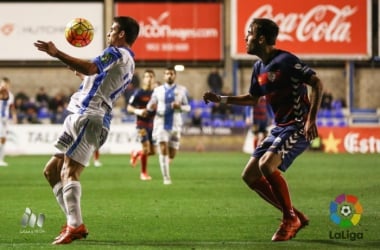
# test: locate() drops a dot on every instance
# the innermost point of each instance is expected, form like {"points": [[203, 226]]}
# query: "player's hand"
{"points": [[48, 47], [145, 113], [310, 130], [210, 97], [176, 105]]}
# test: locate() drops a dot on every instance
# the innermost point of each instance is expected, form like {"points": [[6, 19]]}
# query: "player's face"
{"points": [[169, 76], [148, 80], [252, 41], [114, 35]]}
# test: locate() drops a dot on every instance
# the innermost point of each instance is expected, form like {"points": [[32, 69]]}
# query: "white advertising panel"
{"points": [[21, 24], [38, 139]]}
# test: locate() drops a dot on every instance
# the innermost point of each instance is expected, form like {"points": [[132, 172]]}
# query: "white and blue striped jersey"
{"points": [[97, 93], [5, 106], [162, 98]]}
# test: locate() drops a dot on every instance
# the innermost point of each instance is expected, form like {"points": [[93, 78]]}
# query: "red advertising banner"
{"points": [[176, 31], [313, 29], [350, 139]]}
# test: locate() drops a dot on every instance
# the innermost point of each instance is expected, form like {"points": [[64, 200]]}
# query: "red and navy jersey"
{"points": [[139, 100], [282, 82]]}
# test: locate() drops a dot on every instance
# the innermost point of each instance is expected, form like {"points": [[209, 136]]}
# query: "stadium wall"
{"points": [[59, 79]]}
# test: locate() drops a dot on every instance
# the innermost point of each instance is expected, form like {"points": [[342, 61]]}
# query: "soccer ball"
{"points": [[345, 210], [79, 32]]}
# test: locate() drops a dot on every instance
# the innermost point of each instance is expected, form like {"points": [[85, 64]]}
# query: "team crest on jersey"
{"points": [[271, 76], [105, 58], [298, 66]]}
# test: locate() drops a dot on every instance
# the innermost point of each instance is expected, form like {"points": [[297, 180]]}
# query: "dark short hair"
{"points": [[150, 71], [130, 26], [171, 68], [267, 28]]}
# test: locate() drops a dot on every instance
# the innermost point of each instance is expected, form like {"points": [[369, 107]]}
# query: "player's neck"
{"points": [[269, 54]]}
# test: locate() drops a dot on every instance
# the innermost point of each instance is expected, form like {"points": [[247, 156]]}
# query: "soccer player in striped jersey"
{"points": [[282, 78], [7, 109], [144, 122], [87, 128], [170, 101]]}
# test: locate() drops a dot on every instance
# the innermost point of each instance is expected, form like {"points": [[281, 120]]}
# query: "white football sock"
{"points": [[58, 193], [72, 192], [164, 165], [1, 152]]}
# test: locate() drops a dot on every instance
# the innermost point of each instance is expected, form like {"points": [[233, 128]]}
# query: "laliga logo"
{"points": [[312, 25], [346, 212]]}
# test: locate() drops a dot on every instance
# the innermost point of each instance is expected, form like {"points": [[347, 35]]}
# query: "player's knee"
{"points": [[46, 173]]}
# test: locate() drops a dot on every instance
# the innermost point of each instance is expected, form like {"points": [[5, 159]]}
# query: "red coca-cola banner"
{"points": [[350, 139], [176, 31], [313, 29]]}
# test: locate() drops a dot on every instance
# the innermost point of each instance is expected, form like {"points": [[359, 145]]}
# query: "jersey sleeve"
{"points": [[109, 56]]}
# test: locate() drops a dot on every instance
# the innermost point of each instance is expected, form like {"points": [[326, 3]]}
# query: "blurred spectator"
{"points": [[196, 118], [31, 113], [327, 99], [220, 111], [42, 98], [215, 81]]}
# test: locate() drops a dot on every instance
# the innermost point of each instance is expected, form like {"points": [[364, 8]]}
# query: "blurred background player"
{"points": [[95, 157], [7, 109], [169, 100], [260, 118], [144, 122]]}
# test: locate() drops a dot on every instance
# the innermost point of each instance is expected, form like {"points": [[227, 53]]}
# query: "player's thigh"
{"points": [[269, 162], [161, 135], [175, 139], [251, 170]]}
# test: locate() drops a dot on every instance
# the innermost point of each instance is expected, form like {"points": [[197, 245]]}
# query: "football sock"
{"points": [[96, 155], [71, 195], [58, 193], [164, 165], [144, 161], [139, 154], [255, 141], [1, 152], [281, 192], [263, 188]]}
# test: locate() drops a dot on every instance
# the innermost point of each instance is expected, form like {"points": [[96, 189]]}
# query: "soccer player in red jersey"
{"points": [[137, 105], [282, 78]]}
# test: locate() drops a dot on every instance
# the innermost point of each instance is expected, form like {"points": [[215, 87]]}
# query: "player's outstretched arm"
{"points": [[243, 100], [82, 66]]}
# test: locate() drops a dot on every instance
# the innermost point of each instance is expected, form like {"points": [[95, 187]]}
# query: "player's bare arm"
{"points": [[139, 112], [243, 100], [4, 93], [82, 66], [311, 131]]}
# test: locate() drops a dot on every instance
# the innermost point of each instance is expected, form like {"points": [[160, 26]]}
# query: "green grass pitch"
{"points": [[207, 207]]}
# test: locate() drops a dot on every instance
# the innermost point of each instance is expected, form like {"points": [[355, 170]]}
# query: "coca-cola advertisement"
{"points": [[313, 29], [176, 31]]}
